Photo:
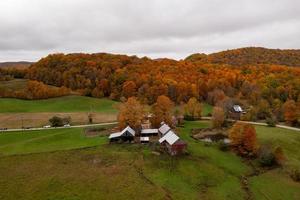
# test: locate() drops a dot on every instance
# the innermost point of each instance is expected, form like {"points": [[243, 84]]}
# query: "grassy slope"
{"points": [[45, 141], [60, 104], [206, 109], [127, 171]]}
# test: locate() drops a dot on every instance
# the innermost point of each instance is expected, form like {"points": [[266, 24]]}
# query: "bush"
{"points": [[295, 175], [223, 146], [266, 156], [271, 121], [59, 121]]}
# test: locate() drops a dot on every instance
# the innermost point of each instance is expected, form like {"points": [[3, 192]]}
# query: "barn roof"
{"points": [[149, 131], [237, 108], [119, 134], [115, 135], [164, 129], [129, 129], [170, 138]]}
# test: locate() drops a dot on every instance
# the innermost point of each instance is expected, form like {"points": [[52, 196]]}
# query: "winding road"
{"points": [[75, 126], [112, 123]]}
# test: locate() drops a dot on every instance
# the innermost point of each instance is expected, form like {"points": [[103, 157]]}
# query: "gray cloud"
{"points": [[170, 28]]}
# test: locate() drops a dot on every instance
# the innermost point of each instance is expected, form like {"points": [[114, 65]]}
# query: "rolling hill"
{"points": [[250, 56]]}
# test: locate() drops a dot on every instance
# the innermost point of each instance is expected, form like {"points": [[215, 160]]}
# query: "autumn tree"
{"points": [[129, 89], [218, 117], [193, 109], [243, 139], [290, 112], [162, 111], [131, 114]]}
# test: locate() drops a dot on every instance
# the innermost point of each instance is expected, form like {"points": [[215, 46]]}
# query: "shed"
{"points": [[173, 143], [144, 139], [149, 132], [237, 108], [127, 134]]}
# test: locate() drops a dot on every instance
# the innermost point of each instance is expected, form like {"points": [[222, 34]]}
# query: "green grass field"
{"points": [[64, 164], [60, 104]]}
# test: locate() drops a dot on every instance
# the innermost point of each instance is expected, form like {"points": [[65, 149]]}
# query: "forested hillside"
{"points": [[264, 88], [250, 56]]}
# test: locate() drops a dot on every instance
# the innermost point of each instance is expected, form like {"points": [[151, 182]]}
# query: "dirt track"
{"points": [[16, 120]]}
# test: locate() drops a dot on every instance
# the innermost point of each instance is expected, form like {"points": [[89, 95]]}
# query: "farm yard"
{"points": [[69, 165]]}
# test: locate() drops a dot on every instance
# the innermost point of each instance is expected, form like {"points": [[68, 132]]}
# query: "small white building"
{"points": [[144, 139]]}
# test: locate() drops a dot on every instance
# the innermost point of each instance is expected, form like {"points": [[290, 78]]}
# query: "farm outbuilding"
{"points": [[144, 139], [126, 134], [236, 112], [173, 143], [149, 132]]}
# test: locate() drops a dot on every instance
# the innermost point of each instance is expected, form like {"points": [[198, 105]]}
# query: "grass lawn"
{"points": [[60, 104], [288, 140], [206, 109], [128, 171]]}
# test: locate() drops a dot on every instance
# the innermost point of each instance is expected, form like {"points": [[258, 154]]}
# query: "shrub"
{"points": [[295, 175], [266, 156], [271, 121], [59, 121], [223, 146]]}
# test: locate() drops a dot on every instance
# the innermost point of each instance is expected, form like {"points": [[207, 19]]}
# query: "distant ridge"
{"points": [[16, 64], [250, 56]]}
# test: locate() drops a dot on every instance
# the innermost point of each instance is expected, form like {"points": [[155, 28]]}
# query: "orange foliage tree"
{"points": [[218, 117], [243, 139], [129, 89], [290, 112], [162, 111], [131, 113]]}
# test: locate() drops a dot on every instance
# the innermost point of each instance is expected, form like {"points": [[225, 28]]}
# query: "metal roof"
{"points": [[119, 134], [114, 135], [149, 131], [164, 129], [170, 138], [129, 129], [237, 108]]}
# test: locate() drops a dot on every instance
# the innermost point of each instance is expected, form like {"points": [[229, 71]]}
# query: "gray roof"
{"points": [[164, 129], [170, 138], [119, 134], [149, 131], [237, 108]]}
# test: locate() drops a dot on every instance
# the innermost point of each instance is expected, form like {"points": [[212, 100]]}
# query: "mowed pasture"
{"points": [[18, 120], [15, 113], [64, 164], [60, 104]]}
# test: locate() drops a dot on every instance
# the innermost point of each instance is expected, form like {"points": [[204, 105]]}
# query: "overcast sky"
{"points": [[31, 29]]}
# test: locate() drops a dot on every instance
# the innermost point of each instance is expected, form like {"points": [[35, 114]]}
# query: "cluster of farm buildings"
{"points": [[166, 137]]}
